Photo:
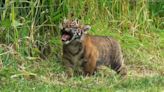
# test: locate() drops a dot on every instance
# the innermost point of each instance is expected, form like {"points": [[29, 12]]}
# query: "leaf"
{"points": [[6, 23]]}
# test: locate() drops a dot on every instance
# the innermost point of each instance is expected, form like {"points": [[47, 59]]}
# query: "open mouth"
{"points": [[66, 36]]}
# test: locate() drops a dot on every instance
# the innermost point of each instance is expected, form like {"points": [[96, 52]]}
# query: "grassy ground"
{"points": [[145, 72], [30, 46]]}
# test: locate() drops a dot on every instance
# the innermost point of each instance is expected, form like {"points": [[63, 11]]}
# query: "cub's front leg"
{"points": [[68, 67], [90, 65]]}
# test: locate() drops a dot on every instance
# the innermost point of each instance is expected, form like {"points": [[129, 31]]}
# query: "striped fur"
{"points": [[86, 53]]}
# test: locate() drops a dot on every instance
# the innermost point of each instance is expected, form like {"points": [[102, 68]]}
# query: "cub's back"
{"points": [[108, 48]]}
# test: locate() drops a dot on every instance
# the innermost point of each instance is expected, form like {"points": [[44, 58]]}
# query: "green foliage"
{"points": [[30, 46]]}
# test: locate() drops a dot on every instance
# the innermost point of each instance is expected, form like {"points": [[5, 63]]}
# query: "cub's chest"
{"points": [[74, 53]]}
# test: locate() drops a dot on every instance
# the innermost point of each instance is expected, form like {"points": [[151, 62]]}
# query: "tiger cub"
{"points": [[84, 53]]}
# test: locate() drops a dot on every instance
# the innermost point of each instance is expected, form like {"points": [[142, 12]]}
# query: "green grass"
{"points": [[30, 46], [52, 78]]}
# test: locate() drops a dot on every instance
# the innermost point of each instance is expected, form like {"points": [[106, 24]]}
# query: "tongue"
{"points": [[65, 37]]}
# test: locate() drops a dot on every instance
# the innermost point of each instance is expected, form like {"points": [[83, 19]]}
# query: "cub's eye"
{"points": [[73, 30]]}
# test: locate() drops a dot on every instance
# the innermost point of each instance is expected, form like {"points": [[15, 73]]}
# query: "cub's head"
{"points": [[72, 30]]}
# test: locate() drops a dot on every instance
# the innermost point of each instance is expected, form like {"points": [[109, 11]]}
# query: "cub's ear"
{"points": [[60, 26], [86, 28]]}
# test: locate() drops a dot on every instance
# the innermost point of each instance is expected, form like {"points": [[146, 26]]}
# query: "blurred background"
{"points": [[30, 46]]}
